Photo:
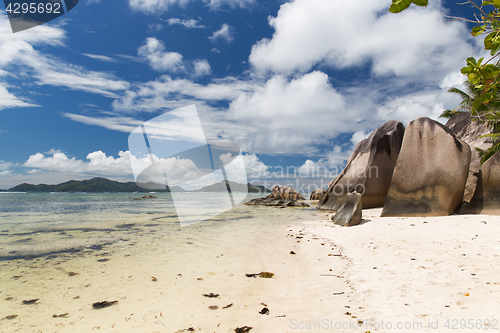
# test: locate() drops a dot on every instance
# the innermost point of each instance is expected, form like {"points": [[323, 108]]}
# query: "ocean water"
{"points": [[69, 250], [39, 224]]}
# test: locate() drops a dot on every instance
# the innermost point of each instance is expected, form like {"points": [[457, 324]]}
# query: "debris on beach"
{"points": [[264, 311], [153, 278], [59, 316], [243, 329], [341, 293], [211, 295], [31, 301], [103, 304], [266, 275], [102, 260], [213, 307], [10, 317], [190, 329], [228, 306], [292, 252], [72, 273]]}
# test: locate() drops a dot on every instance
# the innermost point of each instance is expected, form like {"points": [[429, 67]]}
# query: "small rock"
{"points": [[243, 329], [213, 307]]}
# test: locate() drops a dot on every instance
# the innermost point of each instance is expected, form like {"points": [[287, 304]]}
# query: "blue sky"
{"points": [[294, 84]]}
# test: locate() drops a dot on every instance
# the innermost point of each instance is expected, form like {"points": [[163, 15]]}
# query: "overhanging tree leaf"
{"points": [[423, 3], [398, 6]]}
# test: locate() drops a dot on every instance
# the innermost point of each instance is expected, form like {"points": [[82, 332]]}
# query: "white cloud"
{"points": [[178, 170], [6, 173], [226, 33], [160, 6], [121, 124], [358, 136], [201, 68], [18, 50], [215, 4], [191, 23], [98, 163], [155, 6], [169, 93], [8, 100], [411, 106], [327, 167], [153, 51], [6, 165], [255, 168], [292, 117], [342, 34], [99, 57]]}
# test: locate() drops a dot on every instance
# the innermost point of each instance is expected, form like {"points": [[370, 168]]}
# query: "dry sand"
{"points": [[406, 271]]}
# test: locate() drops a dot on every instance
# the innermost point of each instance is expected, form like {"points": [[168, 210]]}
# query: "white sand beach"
{"points": [[420, 272]]}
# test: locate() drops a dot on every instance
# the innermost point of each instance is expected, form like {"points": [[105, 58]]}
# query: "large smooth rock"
{"points": [[317, 194], [351, 211], [470, 131], [284, 192], [369, 169], [486, 199], [431, 171]]}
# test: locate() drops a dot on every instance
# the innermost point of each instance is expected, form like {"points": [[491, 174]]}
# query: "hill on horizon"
{"points": [[235, 187], [97, 184]]}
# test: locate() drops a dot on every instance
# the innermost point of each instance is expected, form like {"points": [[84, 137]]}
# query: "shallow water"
{"points": [[97, 246]]}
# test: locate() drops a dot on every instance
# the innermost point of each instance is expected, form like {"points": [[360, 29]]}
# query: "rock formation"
{"points": [[470, 131], [284, 192], [281, 196], [351, 211], [486, 199], [431, 171], [369, 169], [317, 194], [276, 202]]}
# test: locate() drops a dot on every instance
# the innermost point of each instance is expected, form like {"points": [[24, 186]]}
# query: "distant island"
{"points": [[99, 184], [235, 187]]}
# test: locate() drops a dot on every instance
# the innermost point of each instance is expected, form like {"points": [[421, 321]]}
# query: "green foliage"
{"points": [[400, 5], [483, 97]]}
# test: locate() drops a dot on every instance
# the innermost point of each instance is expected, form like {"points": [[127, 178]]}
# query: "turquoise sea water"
{"points": [[41, 224], [69, 250]]}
